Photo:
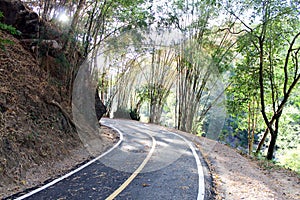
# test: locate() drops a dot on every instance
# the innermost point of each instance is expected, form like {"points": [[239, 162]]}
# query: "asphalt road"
{"points": [[149, 162]]}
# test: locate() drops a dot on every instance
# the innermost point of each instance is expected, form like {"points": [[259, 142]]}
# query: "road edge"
{"points": [[48, 183], [209, 181]]}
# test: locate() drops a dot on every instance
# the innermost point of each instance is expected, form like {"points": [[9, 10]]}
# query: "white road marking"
{"points": [[72, 172], [201, 186]]}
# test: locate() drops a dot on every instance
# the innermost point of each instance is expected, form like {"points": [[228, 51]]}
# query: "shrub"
{"points": [[8, 28]]}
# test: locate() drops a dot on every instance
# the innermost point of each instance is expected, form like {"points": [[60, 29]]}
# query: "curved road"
{"points": [[148, 162]]}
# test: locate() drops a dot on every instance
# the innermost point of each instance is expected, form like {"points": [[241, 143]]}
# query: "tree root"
{"points": [[69, 120]]}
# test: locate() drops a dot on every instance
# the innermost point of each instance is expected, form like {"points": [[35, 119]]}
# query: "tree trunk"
{"points": [[65, 114], [86, 43], [272, 145], [274, 134], [249, 129], [99, 106], [46, 10], [73, 25], [254, 122], [262, 141]]}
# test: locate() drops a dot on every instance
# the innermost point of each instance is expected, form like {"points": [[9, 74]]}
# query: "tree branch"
{"points": [[232, 32], [285, 67]]}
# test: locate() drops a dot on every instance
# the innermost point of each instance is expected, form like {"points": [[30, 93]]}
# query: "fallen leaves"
{"points": [[145, 185], [184, 187]]}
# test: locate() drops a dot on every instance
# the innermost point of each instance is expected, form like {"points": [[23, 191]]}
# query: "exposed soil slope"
{"points": [[36, 140], [241, 177], [31, 130]]}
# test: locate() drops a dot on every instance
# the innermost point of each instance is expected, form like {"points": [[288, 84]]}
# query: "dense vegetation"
{"points": [[235, 77]]}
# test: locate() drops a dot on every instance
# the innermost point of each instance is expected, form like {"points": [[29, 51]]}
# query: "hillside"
{"points": [[36, 140], [32, 131]]}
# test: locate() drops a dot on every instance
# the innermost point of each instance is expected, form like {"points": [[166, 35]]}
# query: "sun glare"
{"points": [[63, 18]]}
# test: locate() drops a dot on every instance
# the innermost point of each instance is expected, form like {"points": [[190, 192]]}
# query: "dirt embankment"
{"points": [[32, 132], [36, 140], [242, 177]]}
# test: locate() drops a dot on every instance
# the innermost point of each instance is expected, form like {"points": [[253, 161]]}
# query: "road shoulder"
{"points": [[241, 177], [210, 189]]}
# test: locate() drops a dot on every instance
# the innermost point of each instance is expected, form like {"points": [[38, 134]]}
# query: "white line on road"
{"points": [[201, 186], [72, 172]]}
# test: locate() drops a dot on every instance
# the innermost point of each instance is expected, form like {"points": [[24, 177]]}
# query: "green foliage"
{"points": [[110, 18], [289, 138], [291, 159], [12, 30], [103, 83], [263, 42], [134, 114], [8, 28], [152, 92], [266, 49], [3, 42], [62, 61]]}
